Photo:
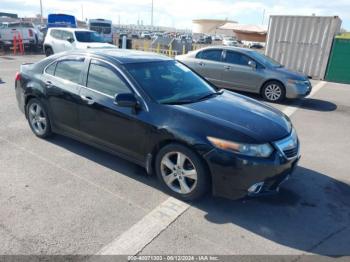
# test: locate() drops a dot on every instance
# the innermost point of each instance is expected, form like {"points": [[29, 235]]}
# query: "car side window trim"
{"points": [[250, 58], [108, 66], [66, 58], [216, 49], [123, 76]]}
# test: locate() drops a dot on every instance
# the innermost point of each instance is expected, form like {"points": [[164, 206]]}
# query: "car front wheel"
{"points": [[182, 172], [273, 91]]}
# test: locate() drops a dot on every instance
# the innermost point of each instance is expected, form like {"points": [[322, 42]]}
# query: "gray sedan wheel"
{"points": [[273, 91]]}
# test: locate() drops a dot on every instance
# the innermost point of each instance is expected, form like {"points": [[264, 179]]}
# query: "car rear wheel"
{"points": [[48, 51], [182, 172], [38, 119], [273, 91]]}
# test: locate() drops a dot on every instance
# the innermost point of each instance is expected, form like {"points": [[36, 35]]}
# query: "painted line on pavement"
{"points": [[149, 227], [133, 241]]}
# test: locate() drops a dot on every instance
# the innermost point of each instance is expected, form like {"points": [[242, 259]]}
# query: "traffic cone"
{"points": [[20, 42], [14, 44]]}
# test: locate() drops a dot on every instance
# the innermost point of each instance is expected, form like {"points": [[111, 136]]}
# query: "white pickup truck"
{"points": [[31, 36]]}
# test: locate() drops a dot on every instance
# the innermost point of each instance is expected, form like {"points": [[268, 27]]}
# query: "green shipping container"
{"points": [[339, 62]]}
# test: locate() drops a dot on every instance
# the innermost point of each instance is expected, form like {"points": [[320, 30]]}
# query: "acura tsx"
{"points": [[159, 114]]}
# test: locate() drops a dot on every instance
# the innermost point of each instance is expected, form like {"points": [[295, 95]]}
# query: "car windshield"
{"points": [[265, 60], [170, 82], [88, 37]]}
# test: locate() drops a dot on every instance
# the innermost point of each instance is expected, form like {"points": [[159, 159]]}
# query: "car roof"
{"points": [[122, 56], [233, 48], [70, 29]]}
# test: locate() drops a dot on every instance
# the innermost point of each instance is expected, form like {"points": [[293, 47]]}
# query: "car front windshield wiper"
{"points": [[178, 102], [207, 96], [189, 101]]}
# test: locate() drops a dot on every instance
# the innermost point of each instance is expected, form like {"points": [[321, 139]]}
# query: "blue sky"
{"points": [[179, 13]]}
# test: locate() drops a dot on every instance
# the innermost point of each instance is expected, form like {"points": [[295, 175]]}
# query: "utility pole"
{"points": [[263, 17], [152, 15], [41, 12], [82, 13]]}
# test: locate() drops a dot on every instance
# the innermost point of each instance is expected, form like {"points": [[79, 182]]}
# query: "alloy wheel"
{"points": [[37, 119], [178, 172], [273, 92]]}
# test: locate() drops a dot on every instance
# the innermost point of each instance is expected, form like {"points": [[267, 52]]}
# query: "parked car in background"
{"points": [[135, 35], [65, 39], [247, 70], [230, 41], [103, 27], [145, 35], [61, 20], [203, 40], [30, 35], [216, 38], [256, 46], [158, 113]]}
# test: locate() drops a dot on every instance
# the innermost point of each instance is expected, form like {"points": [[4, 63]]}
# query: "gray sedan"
{"points": [[247, 70]]}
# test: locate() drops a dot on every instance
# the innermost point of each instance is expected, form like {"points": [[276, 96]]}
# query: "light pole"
{"points": [[152, 15], [41, 12]]}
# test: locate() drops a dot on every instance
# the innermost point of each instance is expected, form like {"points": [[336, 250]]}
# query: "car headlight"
{"points": [[297, 82], [257, 150]]}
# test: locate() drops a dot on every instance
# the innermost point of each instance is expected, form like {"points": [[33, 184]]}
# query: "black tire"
{"points": [[198, 187], [273, 91], [48, 51], [41, 125]]}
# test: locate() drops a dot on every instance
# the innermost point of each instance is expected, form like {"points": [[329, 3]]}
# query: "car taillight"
{"points": [[30, 32], [18, 76]]}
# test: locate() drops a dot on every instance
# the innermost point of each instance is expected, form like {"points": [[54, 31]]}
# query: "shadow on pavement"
{"points": [[310, 208], [304, 103]]}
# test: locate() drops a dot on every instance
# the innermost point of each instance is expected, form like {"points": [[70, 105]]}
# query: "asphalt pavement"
{"points": [[59, 196]]}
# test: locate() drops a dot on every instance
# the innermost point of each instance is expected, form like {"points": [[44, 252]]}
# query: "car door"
{"points": [[65, 44], [63, 79], [105, 123], [238, 72], [208, 64], [56, 36]]}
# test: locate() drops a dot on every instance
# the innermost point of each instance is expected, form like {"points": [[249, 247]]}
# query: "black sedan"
{"points": [[159, 114]]}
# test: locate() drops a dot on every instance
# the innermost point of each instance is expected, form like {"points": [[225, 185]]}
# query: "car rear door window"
{"points": [[70, 70], [213, 55], [66, 35], [51, 69], [236, 58], [104, 79], [56, 33]]}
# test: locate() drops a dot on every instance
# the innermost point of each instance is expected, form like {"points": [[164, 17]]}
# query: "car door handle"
{"points": [[87, 99], [227, 67], [201, 63], [48, 84]]}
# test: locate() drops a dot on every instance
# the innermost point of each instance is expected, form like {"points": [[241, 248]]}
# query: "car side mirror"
{"points": [[252, 64], [70, 39], [126, 100]]}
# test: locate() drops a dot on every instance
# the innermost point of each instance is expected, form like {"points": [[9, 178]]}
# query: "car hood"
{"points": [[243, 115], [94, 45], [291, 74]]}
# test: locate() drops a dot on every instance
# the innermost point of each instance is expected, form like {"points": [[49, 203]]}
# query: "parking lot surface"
{"points": [[59, 196]]}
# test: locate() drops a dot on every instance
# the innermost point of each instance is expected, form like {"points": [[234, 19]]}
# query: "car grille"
{"points": [[289, 146], [290, 153]]}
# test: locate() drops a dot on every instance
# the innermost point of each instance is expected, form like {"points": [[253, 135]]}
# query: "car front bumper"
{"points": [[234, 176], [298, 90]]}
